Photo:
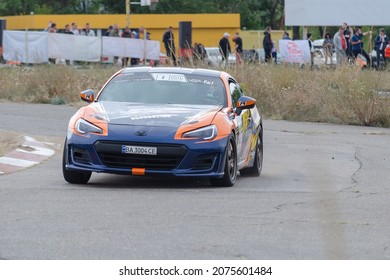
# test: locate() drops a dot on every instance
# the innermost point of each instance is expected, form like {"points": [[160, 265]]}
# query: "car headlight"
{"points": [[205, 133], [83, 127]]}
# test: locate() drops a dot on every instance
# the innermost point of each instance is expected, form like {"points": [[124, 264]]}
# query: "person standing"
{"points": [[238, 40], [115, 33], [348, 36], [328, 48], [69, 32], [357, 45], [169, 44], [89, 31], [311, 47], [381, 42], [125, 34], [267, 44], [286, 36], [75, 31], [224, 48], [340, 46]]}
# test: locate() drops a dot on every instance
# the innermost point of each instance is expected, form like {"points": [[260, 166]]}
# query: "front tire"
{"points": [[73, 177], [230, 168]]}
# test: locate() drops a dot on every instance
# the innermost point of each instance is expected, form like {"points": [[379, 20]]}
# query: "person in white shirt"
{"points": [[89, 31]]}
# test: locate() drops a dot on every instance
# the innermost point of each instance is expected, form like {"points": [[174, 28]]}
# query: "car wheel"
{"points": [[230, 167], [255, 170], [73, 177]]}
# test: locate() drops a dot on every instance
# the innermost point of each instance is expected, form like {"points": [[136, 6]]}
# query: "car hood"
{"points": [[160, 115]]}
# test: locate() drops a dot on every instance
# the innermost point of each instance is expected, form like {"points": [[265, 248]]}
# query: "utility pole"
{"points": [[128, 10]]}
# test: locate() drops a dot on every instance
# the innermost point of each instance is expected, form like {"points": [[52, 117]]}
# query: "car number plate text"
{"points": [[138, 150]]}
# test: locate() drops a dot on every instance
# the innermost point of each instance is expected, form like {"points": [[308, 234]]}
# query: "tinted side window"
{"points": [[235, 92]]}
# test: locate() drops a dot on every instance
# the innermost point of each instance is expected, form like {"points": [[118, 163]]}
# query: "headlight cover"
{"points": [[84, 127], [205, 133]]}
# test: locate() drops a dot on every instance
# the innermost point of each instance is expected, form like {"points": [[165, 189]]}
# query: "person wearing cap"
{"points": [[267, 44], [169, 44], [224, 47], [381, 42]]}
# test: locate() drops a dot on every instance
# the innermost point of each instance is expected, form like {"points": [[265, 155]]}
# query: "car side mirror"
{"points": [[244, 102], [87, 95]]}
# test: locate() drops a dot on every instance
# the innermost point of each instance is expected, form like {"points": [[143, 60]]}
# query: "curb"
{"points": [[31, 153]]}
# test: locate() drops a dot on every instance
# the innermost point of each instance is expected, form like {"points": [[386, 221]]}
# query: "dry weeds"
{"points": [[345, 95]]}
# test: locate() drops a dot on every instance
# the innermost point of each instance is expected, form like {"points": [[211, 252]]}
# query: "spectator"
{"points": [[53, 28], [308, 38], [357, 45], [169, 44], [148, 35], [199, 52], [89, 31], [267, 44], [286, 36], [237, 39], [134, 60], [141, 31], [340, 46], [109, 29], [328, 48], [48, 27], [224, 48], [67, 30], [126, 34], [115, 33], [274, 52], [381, 42], [74, 29], [347, 36]]}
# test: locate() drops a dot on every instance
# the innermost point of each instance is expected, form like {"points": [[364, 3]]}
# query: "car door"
{"points": [[244, 129]]}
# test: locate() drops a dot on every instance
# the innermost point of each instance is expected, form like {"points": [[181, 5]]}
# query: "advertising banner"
{"points": [[72, 47], [297, 51], [25, 47]]}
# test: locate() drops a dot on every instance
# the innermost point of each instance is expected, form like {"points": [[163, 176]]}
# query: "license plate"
{"points": [[139, 150]]}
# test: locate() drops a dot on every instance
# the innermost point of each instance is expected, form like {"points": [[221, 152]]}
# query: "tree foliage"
{"points": [[255, 14]]}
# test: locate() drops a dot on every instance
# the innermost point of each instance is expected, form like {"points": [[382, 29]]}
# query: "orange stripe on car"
{"points": [[138, 171]]}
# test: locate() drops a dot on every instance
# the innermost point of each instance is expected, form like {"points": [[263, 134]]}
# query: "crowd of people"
{"points": [[112, 31], [346, 43]]}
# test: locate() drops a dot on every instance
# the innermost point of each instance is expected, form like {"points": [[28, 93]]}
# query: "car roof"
{"points": [[175, 70]]}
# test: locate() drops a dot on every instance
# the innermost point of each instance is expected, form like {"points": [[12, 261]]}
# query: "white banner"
{"points": [[126, 47], [37, 47], [297, 51], [26, 47], [335, 12], [72, 47]]}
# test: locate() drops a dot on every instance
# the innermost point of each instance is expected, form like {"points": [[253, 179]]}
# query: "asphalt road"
{"points": [[323, 194]]}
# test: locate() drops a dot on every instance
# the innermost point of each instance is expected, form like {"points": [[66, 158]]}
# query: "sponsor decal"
{"points": [[162, 116], [166, 77]]}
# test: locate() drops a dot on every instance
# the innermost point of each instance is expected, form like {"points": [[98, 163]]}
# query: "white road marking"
{"points": [[17, 162], [37, 151], [1, 172]]}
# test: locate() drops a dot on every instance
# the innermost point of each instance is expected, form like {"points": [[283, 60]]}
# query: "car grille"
{"points": [[168, 156]]}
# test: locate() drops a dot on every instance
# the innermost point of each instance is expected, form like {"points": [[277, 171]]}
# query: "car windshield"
{"points": [[165, 88]]}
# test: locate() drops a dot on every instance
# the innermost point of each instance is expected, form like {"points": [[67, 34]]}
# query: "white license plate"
{"points": [[138, 150]]}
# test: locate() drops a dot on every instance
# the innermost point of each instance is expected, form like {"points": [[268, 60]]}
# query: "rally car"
{"points": [[166, 121]]}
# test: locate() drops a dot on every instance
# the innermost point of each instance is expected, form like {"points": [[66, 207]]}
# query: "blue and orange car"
{"points": [[166, 121]]}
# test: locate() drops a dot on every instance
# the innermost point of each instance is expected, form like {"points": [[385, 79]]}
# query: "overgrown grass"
{"points": [[345, 95]]}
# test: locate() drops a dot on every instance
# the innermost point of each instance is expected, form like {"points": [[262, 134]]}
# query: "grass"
{"points": [[9, 141], [345, 95]]}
